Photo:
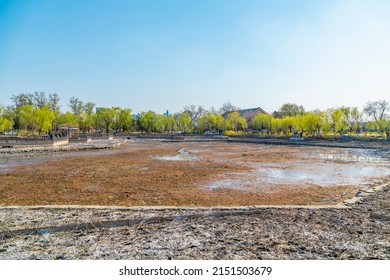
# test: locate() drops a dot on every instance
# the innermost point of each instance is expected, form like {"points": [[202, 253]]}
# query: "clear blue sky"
{"points": [[158, 55]]}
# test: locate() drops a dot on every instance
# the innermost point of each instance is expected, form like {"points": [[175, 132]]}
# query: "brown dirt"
{"points": [[133, 176]]}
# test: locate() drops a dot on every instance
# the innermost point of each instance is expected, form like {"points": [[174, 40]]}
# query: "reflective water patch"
{"points": [[183, 155]]}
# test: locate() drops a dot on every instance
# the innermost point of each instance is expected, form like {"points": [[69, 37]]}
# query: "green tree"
{"points": [[317, 120], [207, 122], [66, 119], [5, 124], [85, 121], [262, 121], [291, 109], [235, 121], [310, 122], [148, 121], [104, 118], [44, 118], [39, 99], [26, 118], [88, 108], [159, 124], [194, 113], [86, 117], [287, 124], [276, 125], [122, 118], [184, 122], [169, 123], [227, 107], [336, 118], [300, 123], [242, 123], [220, 123], [371, 126], [379, 111], [22, 99], [54, 103], [125, 118], [347, 118], [356, 117], [9, 112], [76, 106]]}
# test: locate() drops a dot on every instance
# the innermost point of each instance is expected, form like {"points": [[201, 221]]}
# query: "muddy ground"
{"points": [[359, 232], [198, 174], [153, 173]]}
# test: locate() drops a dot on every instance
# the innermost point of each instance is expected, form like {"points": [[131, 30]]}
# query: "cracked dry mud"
{"points": [[359, 232]]}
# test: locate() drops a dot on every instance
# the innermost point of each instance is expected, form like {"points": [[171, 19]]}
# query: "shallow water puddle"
{"points": [[352, 167], [322, 175], [351, 158], [183, 155]]}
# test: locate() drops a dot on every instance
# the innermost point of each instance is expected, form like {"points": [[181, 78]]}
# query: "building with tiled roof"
{"points": [[248, 114]]}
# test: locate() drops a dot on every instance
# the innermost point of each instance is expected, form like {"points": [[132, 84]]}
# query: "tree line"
{"points": [[39, 113]]}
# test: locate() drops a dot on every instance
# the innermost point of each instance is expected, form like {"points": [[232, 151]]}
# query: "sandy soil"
{"points": [[152, 173]]}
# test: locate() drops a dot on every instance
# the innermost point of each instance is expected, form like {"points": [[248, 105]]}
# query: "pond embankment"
{"points": [[70, 147]]}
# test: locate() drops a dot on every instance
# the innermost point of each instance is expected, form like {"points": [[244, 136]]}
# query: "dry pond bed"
{"points": [[185, 175], [153, 173]]}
